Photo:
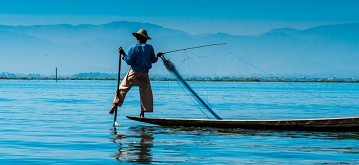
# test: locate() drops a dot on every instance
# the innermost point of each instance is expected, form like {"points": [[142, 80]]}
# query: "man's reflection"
{"points": [[136, 145]]}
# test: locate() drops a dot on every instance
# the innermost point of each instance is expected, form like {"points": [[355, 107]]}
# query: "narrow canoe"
{"points": [[349, 124]]}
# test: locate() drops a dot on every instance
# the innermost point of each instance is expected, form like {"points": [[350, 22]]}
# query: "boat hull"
{"points": [[350, 124]]}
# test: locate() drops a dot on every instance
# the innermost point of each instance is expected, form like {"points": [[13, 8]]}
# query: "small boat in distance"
{"points": [[349, 124]]}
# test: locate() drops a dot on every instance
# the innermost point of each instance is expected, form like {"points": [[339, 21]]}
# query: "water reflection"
{"points": [[135, 145]]}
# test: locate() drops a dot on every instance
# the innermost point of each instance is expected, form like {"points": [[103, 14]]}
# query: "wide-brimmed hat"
{"points": [[141, 32]]}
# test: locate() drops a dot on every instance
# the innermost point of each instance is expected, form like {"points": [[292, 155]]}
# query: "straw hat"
{"points": [[141, 32]]}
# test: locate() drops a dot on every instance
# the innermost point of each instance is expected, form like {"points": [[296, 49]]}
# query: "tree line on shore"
{"points": [[105, 76]]}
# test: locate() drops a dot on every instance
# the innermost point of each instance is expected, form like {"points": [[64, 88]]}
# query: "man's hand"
{"points": [[159, 54], [121, 51]]}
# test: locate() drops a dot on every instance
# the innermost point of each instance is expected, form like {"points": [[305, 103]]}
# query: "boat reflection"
{"points": [[135, 145]]}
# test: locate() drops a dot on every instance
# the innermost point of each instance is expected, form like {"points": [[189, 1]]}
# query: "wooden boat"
{"points": [[349, 124]]}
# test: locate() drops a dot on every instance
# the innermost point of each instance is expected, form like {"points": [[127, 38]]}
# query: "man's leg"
{"points": [[146, 95], [121, 93]]}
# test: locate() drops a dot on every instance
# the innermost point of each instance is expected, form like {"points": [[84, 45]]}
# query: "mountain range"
{"points": [[322, 51]]}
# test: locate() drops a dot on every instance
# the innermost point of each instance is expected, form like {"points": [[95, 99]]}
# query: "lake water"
{"points": [[44, 122]]}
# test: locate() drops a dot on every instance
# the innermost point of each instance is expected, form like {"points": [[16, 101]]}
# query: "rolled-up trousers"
{"points": [[141, 80]]}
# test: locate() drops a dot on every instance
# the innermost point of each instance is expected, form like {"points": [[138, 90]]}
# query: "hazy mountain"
{"points": [[322, 51]]}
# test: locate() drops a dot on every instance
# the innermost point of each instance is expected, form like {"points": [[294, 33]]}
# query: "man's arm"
{"points": [[154, 58], [127, 58]]}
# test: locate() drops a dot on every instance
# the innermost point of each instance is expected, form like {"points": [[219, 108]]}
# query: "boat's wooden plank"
{"points": [[329, 124]]}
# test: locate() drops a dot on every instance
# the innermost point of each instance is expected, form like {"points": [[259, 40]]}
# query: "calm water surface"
{"points": [[44, 122]]}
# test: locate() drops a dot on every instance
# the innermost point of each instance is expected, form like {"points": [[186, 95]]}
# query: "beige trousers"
{"points": [[141, 80]]}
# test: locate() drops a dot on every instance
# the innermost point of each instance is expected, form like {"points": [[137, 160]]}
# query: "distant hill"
{"points": [[323, 51]]}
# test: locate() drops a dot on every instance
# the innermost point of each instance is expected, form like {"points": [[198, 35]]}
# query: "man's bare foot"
{"points": [[112, 109], [142, 114]]}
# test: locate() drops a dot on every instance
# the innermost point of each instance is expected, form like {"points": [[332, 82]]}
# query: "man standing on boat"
{"points": [[140, 57]]}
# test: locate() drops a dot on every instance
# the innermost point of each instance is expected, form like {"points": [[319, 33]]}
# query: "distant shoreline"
{"points": [[250, 79]]}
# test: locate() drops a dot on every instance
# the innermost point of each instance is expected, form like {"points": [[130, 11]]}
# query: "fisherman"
{"points": [[140, 57]]}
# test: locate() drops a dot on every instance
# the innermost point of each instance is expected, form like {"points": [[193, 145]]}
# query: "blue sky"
{"points": [[193, 16]]}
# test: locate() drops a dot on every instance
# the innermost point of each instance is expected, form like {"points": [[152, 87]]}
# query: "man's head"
{"points": [[141, 36]]}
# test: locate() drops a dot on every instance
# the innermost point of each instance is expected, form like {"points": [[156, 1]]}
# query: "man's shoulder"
{"points": [[140, 45], [149, 46], [146, 45], [133, 46]]}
